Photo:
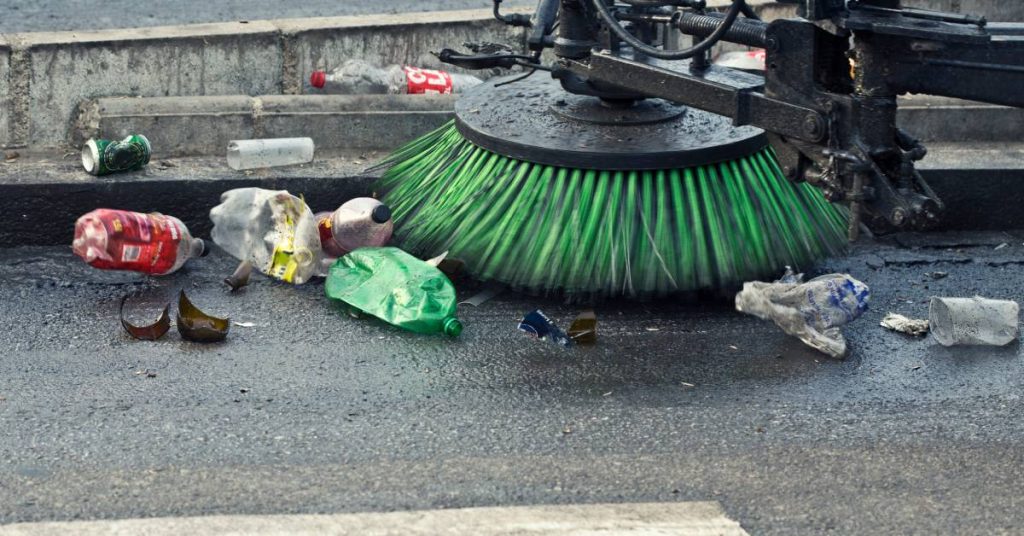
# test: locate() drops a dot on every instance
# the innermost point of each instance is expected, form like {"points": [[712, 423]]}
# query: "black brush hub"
{"points": [[538, 121]]}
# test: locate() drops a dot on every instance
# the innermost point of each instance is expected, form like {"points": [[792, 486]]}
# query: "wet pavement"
{"points": [[312, 411]]}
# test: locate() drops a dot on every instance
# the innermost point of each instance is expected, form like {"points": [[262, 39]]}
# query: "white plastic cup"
{"points": [[973, 321], [255, 154]]}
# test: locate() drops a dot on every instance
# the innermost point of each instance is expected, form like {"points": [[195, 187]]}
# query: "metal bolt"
{"points": [[813, 126], [898, 217]]}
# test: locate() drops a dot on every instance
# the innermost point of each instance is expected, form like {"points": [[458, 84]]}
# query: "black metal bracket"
{"points": [[727, 92], [827, 97]]}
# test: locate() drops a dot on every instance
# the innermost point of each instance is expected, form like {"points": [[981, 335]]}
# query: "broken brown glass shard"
{"points": [[197, 326], [240, 278], [151, 332], [584, 329]]}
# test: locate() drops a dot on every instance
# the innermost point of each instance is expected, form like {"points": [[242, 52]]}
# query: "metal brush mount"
{"points": [[827, 98]]}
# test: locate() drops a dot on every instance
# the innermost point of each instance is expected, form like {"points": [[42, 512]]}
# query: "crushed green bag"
{"points": [[397, 288]]}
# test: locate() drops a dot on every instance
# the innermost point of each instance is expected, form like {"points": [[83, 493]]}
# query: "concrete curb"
{"points": [[41, 200], [197, 126], [45, 76]]}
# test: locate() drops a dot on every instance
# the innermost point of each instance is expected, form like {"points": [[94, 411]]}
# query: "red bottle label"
{"points": [[146, 243], [323, 224], [427, 81], [327, 242]]}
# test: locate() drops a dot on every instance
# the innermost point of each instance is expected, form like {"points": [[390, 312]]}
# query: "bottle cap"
{"points": [[381, 214], [200, 246], [318, 79], [452, 326]]}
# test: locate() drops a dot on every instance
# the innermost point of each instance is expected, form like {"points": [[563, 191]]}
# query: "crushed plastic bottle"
{"points": [[973, 321], [273, 230], [397, 288], [359, 222], [811, 311], [152, 244], [359, 77]]}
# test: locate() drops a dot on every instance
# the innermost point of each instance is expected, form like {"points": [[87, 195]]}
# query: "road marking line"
{"points": [[637, 519]]}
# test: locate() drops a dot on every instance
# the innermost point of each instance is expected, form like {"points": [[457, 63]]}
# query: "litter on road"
{"points": [[150, 332], [357, 223], [973, 321], [152, 244], [811, 311], [397, 288], [196, 326], [273, 230], [903, 324], [240, 277], [583, 329], [537, 325]]}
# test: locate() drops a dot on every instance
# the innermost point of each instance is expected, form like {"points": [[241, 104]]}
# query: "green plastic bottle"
{"points": [[397, 288]]}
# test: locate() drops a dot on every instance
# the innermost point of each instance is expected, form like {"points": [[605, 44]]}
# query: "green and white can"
{"points": [[103, 157]]}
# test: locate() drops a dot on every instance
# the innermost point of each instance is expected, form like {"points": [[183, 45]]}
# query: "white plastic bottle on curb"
{"points": [[255, 154], [359, 222], [359, 77]]}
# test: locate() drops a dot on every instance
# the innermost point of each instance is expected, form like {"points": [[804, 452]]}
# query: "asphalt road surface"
{"points": [[51, 15], [310, 411]]}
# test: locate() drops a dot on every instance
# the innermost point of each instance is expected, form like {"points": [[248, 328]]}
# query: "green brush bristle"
{"points": [[633, 233]]}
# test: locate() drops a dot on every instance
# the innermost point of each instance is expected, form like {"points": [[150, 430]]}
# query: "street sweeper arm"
{"points": [[827, 97]]}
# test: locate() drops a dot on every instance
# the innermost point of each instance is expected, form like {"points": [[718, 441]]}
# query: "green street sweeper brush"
{"points": [[552, 192]]}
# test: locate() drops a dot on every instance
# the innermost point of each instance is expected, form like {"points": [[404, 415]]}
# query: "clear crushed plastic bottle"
{"points": [[359, 222], [359, 77], [152, 244], [273, 230]]}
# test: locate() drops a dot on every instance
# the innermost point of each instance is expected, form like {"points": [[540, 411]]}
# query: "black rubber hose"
{"points": [[515, 19], [609, 19]]}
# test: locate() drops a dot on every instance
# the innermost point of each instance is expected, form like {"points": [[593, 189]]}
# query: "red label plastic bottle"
{"points": [[360, 77], [121, 240]]}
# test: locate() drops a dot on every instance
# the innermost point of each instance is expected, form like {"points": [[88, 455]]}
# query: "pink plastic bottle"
{"points": [[121, 240], [359, 222]]}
